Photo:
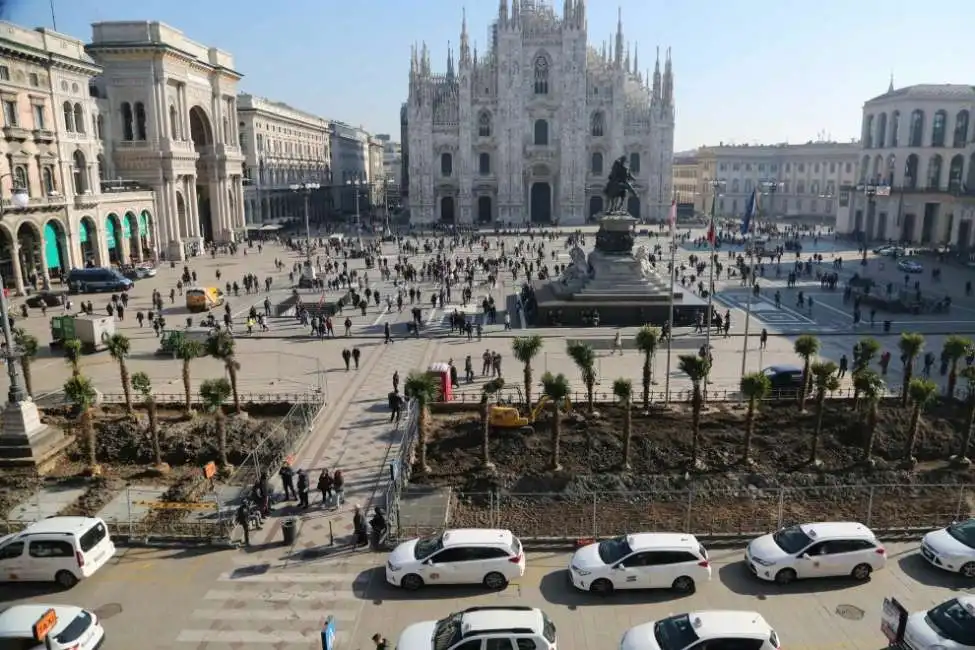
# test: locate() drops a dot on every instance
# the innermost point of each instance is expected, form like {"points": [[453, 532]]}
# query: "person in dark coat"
{"points": [[359, 528]]}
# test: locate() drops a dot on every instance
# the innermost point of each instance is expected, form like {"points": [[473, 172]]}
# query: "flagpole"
{"points": [[712, 238], [670, 287], [751, 279]]}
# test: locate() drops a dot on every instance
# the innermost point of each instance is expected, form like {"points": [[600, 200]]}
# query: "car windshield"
{"points": [[953, 621], [613, 550], [447, 632], [427, 546], [675, 633], [78, 626], [964, 532], [792, 539]]}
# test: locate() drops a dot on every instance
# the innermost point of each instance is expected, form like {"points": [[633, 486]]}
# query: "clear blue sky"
{"points": [[746, 70]]}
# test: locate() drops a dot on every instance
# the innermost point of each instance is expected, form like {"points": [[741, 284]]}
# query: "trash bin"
{"points": [[289, 529]]}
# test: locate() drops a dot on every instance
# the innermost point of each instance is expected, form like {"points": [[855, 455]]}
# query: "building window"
{"points": [[172, 122], [47, 177], [788, 167], [748, 167], [802, 168], [960, 138], [735, 185], [849, 167], [4, 73], [39, 123], [895, 121], [881, 130], [761, 167], [68, 117], [10, 113], [34, 80], [541, 76], [446, 164], [140, 121], [916, 132], [597, 164], [79, 119], [597, 125], [938, 128], [634, 163], [541, 132], [868, 132], [816, 168], [126, 121], [832, 168], [748, 186], [20, 178], [735, 167], [80, 173], [100, 127], [484, 164], [800, 187]]}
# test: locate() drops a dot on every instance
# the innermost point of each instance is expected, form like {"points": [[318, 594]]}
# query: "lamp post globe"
{"points": [[19, 198]]}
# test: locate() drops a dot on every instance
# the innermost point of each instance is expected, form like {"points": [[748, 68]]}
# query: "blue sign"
{"points": [[328, 634]]}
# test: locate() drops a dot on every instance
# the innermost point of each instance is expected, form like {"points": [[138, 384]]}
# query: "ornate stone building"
{"points": [[170, 117], [529, 131]]}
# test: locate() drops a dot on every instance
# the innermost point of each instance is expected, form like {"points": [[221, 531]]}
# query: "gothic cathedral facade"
{"points": [[528, 132]]}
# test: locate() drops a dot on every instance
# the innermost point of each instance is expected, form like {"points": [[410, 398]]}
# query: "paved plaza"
{"points": [[273, 597]]}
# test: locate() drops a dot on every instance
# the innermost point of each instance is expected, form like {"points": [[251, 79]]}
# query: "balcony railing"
{"points": [[15, 133], [34, 202], [43, 135]]}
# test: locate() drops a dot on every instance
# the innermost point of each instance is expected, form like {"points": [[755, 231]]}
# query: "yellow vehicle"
{"points": [[203, 298], [508, 417]]}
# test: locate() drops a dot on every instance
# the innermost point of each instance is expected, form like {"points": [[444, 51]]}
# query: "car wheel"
{"points": [[65, 579], [968, 570], [603, 587], [861, 572], [495, 580], [785, 576], [411, 582], [684, 585]]}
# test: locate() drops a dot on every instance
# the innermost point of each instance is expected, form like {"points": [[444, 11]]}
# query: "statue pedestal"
{"points": [[24, 440]]}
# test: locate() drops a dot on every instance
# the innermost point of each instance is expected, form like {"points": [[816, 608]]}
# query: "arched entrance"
{"points": [[131, 230], [6, 258], [184, 224], [113, 238], [541, 202], [29, 243], [633, 206], [56, 249], [447, 209], [484, 213], [88, 237], [201, 131], [595, 206], [145, 234]]}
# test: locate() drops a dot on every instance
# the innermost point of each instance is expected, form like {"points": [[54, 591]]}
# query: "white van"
{"points": [[64, 550]]}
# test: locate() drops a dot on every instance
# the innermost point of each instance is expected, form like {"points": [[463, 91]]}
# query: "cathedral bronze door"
{"points": [[447, 210], [595, 206], [541, 203], [484, 209]]}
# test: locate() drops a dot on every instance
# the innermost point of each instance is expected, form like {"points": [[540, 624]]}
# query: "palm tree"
{"points": [[968, 374], [954, 348], [424, 389], [188, 350], [870, 385], [585, 359], [223, 346], [922, 392], [119, 347], [807, 347], [623, 389], [556, 388], [490, 388], [864, 352], [647, 340], [141, 383], [27, 348], [214, 392], [910, 345], [824, 380], [80, 392], [526, 348], [72, 352], [755, 386], [697, 369]]}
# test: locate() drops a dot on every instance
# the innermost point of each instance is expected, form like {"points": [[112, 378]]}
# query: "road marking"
{"points": [[433, 316], [288, 577], [261, 638], [381, 315], [317, 614], [281, 596]]}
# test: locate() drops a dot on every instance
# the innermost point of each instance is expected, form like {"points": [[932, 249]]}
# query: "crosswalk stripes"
{"points": [[266, 606]]}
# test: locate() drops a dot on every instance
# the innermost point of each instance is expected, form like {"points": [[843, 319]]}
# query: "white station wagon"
{"points": [[820, 550], [641, 561], [706, 630], [952, 548], [457, 557]]}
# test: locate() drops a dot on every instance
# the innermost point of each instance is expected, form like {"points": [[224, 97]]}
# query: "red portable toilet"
{"points": [[442, 372]]}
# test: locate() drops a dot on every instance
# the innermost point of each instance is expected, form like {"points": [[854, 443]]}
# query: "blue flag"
{"points": [[751, 209]]}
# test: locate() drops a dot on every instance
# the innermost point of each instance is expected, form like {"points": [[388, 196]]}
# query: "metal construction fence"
{"points": [[401, 466], [888, 509]]}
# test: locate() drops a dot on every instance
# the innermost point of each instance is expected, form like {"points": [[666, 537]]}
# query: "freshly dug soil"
{"points": [[660, 491]]}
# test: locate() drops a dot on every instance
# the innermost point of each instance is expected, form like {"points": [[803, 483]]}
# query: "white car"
{"points": [[457, 557], [819, 550], [76, 628], [693, 631], [952, 548], [498, 627], [64, 550], [949, 626], [641, 561]]}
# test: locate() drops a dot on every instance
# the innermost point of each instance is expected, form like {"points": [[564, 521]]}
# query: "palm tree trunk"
{"points": [[856, 399], [486, 437], [908, 372], [232, 373], [88, 426], [871, 430], [646, 382], [817, 432], [805, 384], [952, 379], [154, 431], [696, 403], [186, 386], [556, 436], [912, 432], [28, 378], [968, 426], [591, 396], [749, 430], [421, 437], [221, 437], [627, 432], [123, 372], [528, 385]]}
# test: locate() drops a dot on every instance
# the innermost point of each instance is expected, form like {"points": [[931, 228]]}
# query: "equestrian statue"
{"points": [[619, 186]]}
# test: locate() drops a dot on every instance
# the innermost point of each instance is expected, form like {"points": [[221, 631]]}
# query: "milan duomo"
{"points": [[529, 130]]}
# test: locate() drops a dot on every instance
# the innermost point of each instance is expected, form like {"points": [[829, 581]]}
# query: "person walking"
{"points": [[359, 528], [618, 343], [380, 641], [302, 489], [325, 486], [356, 355], [396, 380], [243, 518], [338, 483], [386, 332], [287, 482], [347, 358]]}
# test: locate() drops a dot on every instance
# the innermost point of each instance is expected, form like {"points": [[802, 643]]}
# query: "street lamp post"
{"points": [[769, 188], [356, 184], [308, 273], [19, 198]]}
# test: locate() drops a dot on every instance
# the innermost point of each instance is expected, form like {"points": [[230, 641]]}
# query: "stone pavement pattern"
{"points": [[275, 599]]}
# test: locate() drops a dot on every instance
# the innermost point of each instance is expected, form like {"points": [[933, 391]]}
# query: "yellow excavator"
{"points": [[509, 417]]}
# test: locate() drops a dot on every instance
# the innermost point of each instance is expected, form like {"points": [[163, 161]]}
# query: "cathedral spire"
{"points": [[450, 61], [413, 62], [424, 60], [656, 79], [619, 38], [668, 81], [515, 12], [465, 44], [567, 12], [626, 61], [890, 88], [636, 59], [604, 52], [580, 14]]}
